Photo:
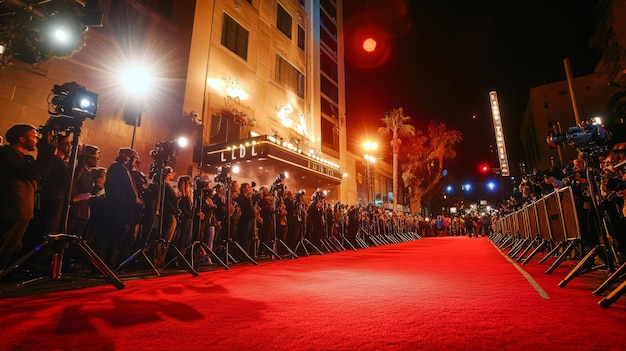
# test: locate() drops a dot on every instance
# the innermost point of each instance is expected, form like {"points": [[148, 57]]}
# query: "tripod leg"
{"points": [[23, 259], [214, 255], [245, 253], [182, 259], [142, 252], [301, 244], [287, 248], [306, 241], [338, 244], [350, 244], [99, 264], [269, 250]]}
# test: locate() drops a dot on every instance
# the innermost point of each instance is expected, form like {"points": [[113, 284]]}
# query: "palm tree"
{"points": [[396, 124]]}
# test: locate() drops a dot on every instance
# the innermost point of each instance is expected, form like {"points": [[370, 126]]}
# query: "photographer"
{"points": [[315, 214], [247, 216], [264, 200], [294, 204]]}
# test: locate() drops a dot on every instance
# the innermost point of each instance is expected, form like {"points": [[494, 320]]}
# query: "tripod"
{"points": [[227, 181], [197, 245], [159, 245], [59, 242], [601, 250], [275, 206], [302, 240]]}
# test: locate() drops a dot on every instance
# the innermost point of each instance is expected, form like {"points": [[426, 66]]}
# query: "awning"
{"points": [[261, 159]]}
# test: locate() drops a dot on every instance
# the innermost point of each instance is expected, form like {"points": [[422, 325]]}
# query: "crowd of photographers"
{"points": [[597, 179], [119, 209]]}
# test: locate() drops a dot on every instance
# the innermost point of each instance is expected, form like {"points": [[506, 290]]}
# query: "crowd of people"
{"points": [[597, 179], [119, 209]]}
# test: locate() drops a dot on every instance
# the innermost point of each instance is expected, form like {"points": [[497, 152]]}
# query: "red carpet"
{"points": [[434, 294]]}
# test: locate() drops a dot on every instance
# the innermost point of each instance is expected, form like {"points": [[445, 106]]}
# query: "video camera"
{"points": [[68, 106], [223, 174], [584, 134], [278, 184], [163, 150], [72, 100], [318, 195]]}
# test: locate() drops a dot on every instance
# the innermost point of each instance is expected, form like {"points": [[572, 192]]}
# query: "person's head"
{"points": [[99, 175], [91, 155], [218, 189], [22, 136], [125, 154], [168, 173], [184, 185], [245, 189], [64, 146]]}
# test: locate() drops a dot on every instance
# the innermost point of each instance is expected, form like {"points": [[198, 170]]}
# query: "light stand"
{"points": [[61, 241]]}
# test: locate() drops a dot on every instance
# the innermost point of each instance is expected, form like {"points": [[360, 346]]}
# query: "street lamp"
{"points": [[369, 146]]}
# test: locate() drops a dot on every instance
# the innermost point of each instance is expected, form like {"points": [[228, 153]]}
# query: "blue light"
{"points": [[449, 188], [491, 186]]}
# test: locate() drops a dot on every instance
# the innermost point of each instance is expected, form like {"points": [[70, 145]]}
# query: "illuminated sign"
{"points": [[497, 126]]}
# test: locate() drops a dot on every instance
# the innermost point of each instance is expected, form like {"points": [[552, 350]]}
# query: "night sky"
{"points": [[439, 60]]}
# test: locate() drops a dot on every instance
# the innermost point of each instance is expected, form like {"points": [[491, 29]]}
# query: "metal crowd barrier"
{"points": [[549, 223]]}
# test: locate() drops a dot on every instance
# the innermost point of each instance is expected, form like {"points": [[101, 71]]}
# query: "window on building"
{"points": [[301, 38], [283, 21], [289, 76], [235, 37], [329, 88], [330, 135]]}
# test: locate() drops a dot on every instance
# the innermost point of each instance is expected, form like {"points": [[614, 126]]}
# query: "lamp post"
{"points": [[369, 146]]}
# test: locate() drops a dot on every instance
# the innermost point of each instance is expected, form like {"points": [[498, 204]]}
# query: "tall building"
{"points": [[265, 80], [550, 111]]}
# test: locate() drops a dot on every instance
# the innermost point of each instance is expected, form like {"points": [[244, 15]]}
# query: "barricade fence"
{"points": [[549, 223]]}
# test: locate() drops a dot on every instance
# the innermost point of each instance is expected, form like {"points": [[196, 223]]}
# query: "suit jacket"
{"points": [[19, 176]]}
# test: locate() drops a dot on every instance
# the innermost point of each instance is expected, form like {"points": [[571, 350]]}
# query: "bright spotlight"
{"points": [[491, 185], [137, 80], [235, 169], [183, 142]]}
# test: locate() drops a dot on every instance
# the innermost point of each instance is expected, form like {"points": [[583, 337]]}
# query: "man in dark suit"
{"points": [[122, 201], [19, 177]]}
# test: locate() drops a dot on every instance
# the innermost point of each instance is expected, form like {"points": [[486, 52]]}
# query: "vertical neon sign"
{"points": [[497, 126]]}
